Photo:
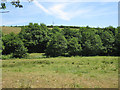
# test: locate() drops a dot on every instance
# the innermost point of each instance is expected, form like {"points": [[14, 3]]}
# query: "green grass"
{"points": [[61, 72], [36, 56]]}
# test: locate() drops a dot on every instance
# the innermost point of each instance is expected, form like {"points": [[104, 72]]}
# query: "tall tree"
{"points": [[91, 42], [56, 46], [108, 40], [35, 37], [74, 48], [14, 45]]}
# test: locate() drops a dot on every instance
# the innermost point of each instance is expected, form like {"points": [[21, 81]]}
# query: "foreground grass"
{"points": [[61, 72]]}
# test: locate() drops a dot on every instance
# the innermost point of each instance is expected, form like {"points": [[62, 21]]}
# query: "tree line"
{"points": [[66, 41]]}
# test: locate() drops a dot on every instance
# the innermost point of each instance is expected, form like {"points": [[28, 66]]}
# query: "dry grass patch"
{"points": [[7, 30]]}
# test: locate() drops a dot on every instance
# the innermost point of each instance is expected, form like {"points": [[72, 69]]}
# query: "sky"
{"points": [[93, 14]]}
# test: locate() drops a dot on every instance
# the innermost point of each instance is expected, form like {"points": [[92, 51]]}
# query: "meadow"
{"points": [[61, 72], [6, 30]]}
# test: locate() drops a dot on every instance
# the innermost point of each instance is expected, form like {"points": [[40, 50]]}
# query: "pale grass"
{"points": [[7, 30]]}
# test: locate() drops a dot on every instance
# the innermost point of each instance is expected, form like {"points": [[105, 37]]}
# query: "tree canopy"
{"points": [[56, 41]]}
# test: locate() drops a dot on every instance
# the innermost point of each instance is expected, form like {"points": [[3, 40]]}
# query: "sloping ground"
{"points": [[7, 30], [16, 30]]}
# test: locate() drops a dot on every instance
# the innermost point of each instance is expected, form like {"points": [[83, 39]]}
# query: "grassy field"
{"points": [[61, 72], [7, 30], [16, 30]]}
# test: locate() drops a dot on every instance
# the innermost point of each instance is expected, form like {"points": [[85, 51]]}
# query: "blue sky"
{"points": [[94, 14]]}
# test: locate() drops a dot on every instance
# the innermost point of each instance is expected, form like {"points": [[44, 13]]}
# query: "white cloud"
{"points": [[57, 10], [40, 6]]}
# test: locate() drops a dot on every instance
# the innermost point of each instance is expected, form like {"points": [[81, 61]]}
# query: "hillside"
{"points": [[7, 30], [16, 30]]}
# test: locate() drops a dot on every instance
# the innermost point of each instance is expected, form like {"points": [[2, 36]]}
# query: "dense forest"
{"points": [[62, 41]]}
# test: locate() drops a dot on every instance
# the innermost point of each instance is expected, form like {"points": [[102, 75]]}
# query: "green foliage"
{"points": [[91, 42], [13, 44], [56, 45], [69, 33], [34, 37], [67, 41], [117, 42], [108, 40], [20, 50], [74, 48], [6, 57], [3, 6], [16, 4], [56, 29]]}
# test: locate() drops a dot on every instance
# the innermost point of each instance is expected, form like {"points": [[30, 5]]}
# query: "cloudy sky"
{"points": [[94, 14]]}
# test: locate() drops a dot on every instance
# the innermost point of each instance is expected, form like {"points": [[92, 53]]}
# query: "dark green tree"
{"points": [[35, 37], [117, 42], [108, 40], [56, 46], [14, 45], [56, 29], [74, 48], [91, 43]]}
